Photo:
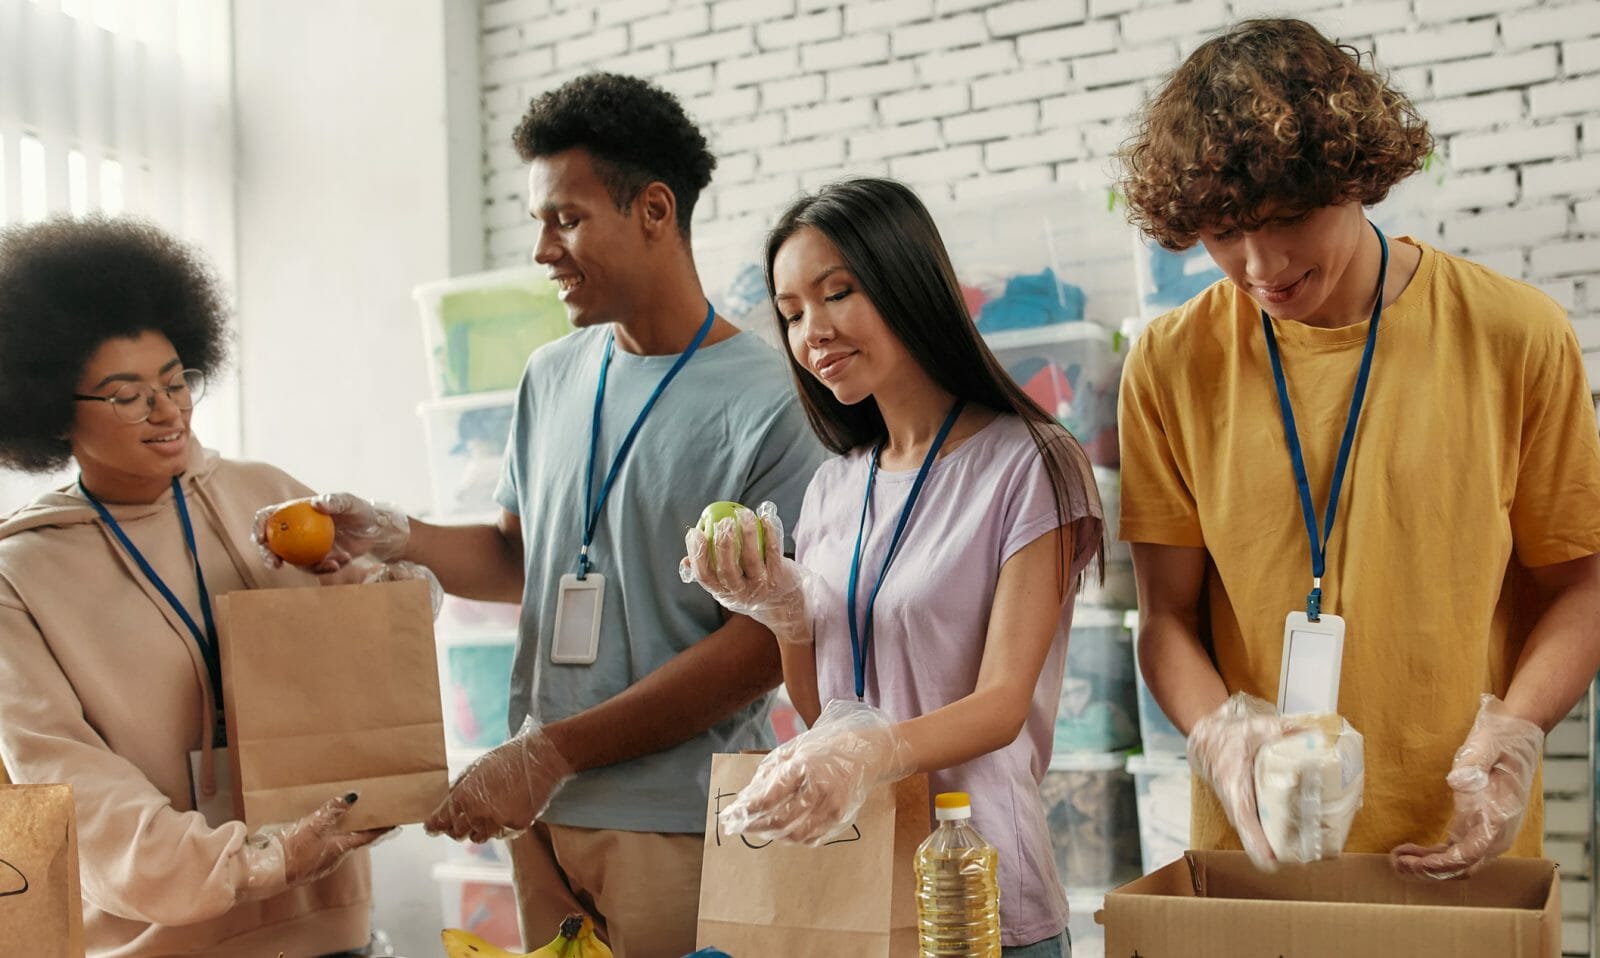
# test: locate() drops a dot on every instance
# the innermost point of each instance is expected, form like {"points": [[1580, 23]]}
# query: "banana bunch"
{"points": [[575, 939]]}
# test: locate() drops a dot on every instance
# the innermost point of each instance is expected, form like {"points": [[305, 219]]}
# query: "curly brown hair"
{"points": [[68, 285], [1267, 118]]}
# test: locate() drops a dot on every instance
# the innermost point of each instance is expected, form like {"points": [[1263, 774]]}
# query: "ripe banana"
{"points": [[575, 939]]}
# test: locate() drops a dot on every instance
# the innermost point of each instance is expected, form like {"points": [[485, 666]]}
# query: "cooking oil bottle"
{"points": [[958, 889]]}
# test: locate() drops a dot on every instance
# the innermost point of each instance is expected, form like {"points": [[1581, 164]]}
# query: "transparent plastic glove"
{"points": [[281, 857], [744, 578], [1222, 751], [1491, 777], [405, 571], [360, 527], [808, 790], [505, 791]]}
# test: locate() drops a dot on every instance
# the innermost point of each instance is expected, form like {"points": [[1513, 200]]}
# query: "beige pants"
{"points": [[641, 888]]}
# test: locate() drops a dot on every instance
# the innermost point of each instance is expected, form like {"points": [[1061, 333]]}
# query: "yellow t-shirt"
{"points": [[1476, 445]]}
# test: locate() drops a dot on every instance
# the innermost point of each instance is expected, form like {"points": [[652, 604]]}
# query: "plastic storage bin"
{"points": [[458, 615], [1109, 482], [1041, 257], [1161, 739], [466, 439], [480, 329], [1088, 937], [1099, 702], [1089, 807], [479, 899], [1117, 592], [1162, 788], [1071, 371], [475, 684]]}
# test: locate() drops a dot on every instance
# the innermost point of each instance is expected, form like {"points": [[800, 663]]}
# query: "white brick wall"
{"points": [[966, 99]]}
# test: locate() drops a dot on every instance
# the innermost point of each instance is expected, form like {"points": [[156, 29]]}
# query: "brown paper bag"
{"points": [[41, 913], [329, 690], [856, 896]]}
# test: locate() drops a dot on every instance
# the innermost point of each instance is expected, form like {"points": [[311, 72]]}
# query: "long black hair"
{"points": [[890, 244]]}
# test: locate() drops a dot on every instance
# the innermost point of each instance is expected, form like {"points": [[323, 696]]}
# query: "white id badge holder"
{"points": [[1313, 653], [577, 634]]}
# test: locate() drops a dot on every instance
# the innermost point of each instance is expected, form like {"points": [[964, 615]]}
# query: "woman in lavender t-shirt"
{"points": [[953, 665]]}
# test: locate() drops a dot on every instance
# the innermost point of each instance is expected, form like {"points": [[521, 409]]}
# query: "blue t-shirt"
{"points": [[728, 427]]}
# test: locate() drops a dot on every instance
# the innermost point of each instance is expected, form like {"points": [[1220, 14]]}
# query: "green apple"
{"points": [[718, 511]]}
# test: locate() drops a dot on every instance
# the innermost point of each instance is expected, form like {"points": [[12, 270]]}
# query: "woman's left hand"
{"points": [[808, 790]]}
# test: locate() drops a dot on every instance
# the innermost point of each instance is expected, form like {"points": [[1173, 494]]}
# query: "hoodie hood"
{"points": [[66, 506]]}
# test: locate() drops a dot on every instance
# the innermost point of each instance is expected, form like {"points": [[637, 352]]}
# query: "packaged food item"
{"points": [[1308, 789], [958, 886]]}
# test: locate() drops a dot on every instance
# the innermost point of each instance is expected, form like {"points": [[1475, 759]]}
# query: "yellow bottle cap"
{"points": [[952, 800]]}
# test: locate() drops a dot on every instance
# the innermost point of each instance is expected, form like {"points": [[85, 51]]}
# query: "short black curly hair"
{"points": [[67, 286], [635, 132], [1267, 118]]}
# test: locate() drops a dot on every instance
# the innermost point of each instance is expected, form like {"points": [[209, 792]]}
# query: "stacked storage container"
{"points": [[479, 331], [1048, 279]]}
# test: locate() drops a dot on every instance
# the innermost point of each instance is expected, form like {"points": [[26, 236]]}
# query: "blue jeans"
{"points": [[1058, 947]]}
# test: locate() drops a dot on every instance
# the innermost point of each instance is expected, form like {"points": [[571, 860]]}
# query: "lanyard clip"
{"points": [[1314, 601], [583, 562]]}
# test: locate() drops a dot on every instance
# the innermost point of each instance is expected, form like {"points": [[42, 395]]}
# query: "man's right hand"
{"points": [[360, 527], [1222, 751]]}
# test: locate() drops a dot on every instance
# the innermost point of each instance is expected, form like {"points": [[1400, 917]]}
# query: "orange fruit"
{"points": [[299, 534]]}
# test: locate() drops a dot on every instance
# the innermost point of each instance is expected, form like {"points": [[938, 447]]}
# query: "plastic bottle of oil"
{"points": [[958, 890]]}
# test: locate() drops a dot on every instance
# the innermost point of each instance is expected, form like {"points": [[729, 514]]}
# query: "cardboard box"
{"points": [[1215, 904]]}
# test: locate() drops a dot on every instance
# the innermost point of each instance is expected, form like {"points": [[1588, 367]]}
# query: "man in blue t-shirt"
{"points": [[626, 680]]}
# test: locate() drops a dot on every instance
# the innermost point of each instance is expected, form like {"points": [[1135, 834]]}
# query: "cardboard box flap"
{"points": [[1370, 879], [1214, 904]]}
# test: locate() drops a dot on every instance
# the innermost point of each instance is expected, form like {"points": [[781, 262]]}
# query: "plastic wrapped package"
{"points": [[1161, 785], [475, 683], [480, 329], [1089, 808], [479, 899], [1308, 789], [466, 439], [1099, 702]]}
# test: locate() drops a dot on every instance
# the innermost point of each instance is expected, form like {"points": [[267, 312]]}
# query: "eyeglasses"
{"points": [[135, 402]]}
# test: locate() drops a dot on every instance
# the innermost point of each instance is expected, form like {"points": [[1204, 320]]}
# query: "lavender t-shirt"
{"points": [[982, 502]]}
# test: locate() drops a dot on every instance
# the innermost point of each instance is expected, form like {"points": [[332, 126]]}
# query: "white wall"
{"points": [[964, 98], [358, 177], [345, 171]]}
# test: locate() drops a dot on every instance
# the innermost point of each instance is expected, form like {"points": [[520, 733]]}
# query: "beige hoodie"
{"points": [[102, 687]]}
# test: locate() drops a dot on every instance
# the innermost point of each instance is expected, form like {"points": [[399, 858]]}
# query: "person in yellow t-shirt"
{"points": [[1461, 551]]}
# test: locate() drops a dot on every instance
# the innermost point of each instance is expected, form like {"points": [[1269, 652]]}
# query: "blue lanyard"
{"points": [[1319, 545], [861, 636], [207, 640], [591, 507]]}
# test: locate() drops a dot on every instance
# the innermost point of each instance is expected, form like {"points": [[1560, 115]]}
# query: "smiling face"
{"points": [[122, 461], [594, 252], [1293, 266], [834, 331]]}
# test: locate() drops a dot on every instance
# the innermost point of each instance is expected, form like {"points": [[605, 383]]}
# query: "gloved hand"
{"points": [[360, 527], [746, 579], [403, 571], [1491, 778], [1222, 751], [281, 857], [809, 789], [505, 791]]}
